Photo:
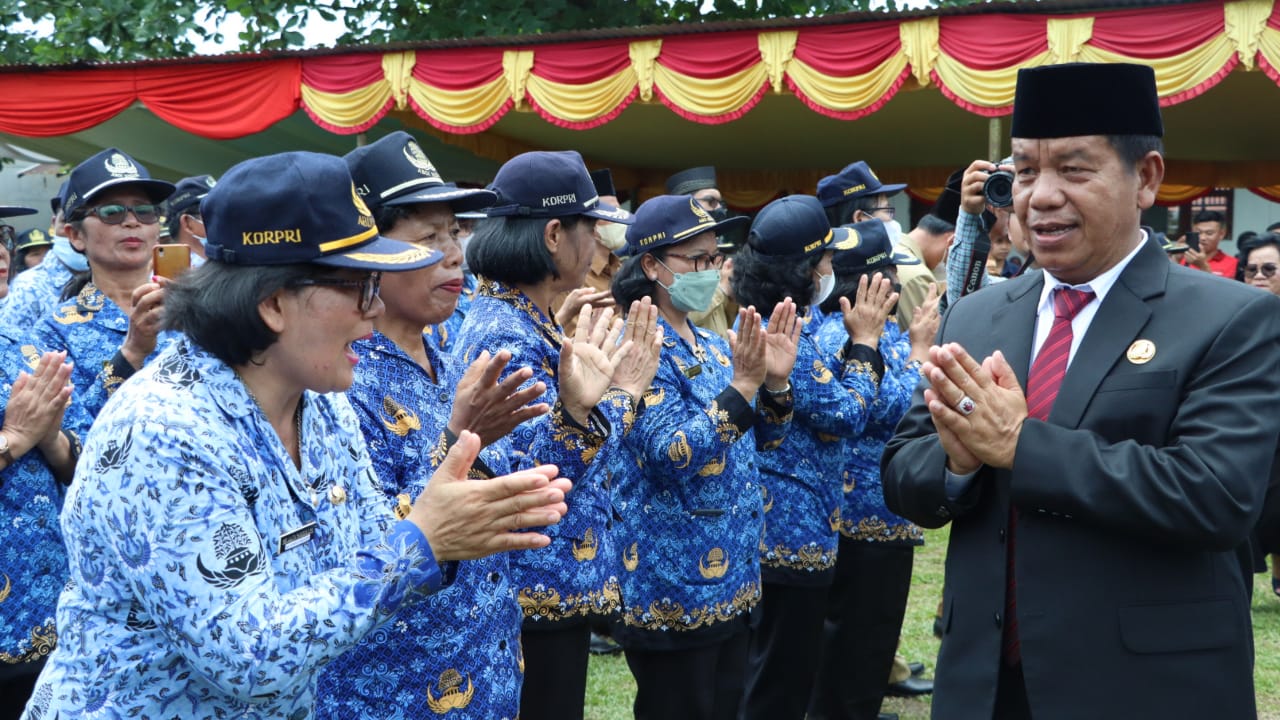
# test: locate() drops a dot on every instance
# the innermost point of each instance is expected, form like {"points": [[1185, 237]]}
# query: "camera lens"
{"points": [[998, 189]]}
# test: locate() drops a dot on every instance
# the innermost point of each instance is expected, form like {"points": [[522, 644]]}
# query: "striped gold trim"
{"points": [[332, 245], [404, 257], [696, 230]]}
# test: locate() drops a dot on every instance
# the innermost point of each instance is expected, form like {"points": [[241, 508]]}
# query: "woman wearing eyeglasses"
{"points": [[109, 325], [1260, 270], [226, 538], [686, 485]]}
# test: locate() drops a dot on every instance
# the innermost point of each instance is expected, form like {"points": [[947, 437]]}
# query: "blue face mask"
{"points": [[692, 291], [64, 252]]}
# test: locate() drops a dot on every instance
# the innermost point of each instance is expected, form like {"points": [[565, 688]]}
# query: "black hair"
{"points": [[765, 280], [842, 212], [388, 216], [630, 284], [1264, 240], [512, 250], [75, 284], [935, 225], [1210, 216], [1132, 148], [173, 222], [216, 305]]}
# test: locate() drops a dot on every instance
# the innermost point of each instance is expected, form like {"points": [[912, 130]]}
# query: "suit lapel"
{"points": [[1117, 323], [1013, 327]]}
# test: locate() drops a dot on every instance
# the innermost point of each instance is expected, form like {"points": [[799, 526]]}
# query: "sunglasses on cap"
{"points": [[1268, 270], [8, 236], [115, 213]]}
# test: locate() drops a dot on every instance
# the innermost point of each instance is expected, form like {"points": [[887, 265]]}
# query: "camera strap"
{"points": [[977, 268]]}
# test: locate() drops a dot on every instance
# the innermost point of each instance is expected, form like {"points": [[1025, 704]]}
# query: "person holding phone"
{"points": [[1209, 229], [109, 320], [225, 535]]}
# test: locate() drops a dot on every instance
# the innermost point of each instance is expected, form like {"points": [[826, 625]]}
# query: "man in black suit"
{"points": [[1091, 571]]}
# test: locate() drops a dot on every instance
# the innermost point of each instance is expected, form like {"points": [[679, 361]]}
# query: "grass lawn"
{"points": [[610, 689]]}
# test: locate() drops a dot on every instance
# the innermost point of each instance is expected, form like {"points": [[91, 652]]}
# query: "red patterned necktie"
{"points": [[1042, 389]]}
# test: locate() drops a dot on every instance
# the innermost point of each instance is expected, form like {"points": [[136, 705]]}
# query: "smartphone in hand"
{"points": [[170, 261], [1192, 239]]}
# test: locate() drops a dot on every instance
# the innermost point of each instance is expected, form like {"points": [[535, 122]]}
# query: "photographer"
{"points": [[969, 220]]}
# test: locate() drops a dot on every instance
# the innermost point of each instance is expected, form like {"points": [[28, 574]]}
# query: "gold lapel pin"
{"points": [[1141, 352]]}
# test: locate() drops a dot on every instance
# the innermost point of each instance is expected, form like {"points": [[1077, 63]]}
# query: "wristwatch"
{"points": [[5, 454]]}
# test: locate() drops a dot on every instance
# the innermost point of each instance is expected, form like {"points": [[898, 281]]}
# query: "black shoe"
{"points": [[601, 645], [911, 687], [917, 669]]}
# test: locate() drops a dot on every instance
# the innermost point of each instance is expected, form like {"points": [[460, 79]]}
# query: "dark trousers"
{"points": [[702, 683], [16, 684], [784, 652], [555, 673], [1011, 695], [865, 607]]}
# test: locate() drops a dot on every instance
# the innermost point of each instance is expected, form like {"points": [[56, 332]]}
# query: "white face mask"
{"points": [[612, 235], [894, 230], [826, 283]]}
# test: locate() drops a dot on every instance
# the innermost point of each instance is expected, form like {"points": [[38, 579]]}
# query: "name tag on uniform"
{"points": [[693, 372], [297, 536]]}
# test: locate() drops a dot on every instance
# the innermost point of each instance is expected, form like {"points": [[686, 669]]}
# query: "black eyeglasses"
{"points": [[114, 214], [1268, 270], [701, 262], [369, 287], [710, 202], [887, 208]]}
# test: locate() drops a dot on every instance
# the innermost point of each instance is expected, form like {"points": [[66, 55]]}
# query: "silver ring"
{"points": [[966, 406]]}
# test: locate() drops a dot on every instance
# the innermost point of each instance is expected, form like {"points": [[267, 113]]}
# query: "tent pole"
{"points": [[361, 139], [993, 139]]}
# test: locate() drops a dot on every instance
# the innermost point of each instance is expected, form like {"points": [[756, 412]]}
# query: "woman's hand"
{"points": [[924, 325], [490, 408], [864, 320], [465, 519], [573, 303], [635, 372], [781, 341], [37, 402], [144, 321], [588, 362], [750, 364]]}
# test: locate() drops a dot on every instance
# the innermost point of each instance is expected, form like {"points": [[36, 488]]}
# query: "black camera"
{"points": [[998, 189]]}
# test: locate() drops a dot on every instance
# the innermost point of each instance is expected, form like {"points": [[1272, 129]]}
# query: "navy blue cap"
{"points": [[34, 237], [1122, 100], [671, 219], [15, 211], [550, 184], [947, 206], [394, 171], [107, 169], [55, 202], [855, 180], [189, 192], [299, 207], [871, 250], [687, 182], [795, 226]]}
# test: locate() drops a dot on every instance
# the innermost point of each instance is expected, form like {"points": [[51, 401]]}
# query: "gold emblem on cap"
{"points": [[337, 495], [1141, 352], [366, 217], [701, 214], [413, 153], [35, 236], [120, 166]]}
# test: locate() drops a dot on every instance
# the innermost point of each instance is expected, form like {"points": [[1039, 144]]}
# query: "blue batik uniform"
{"points": [[210, 577], [444, 335], [458, 652], [688, 493], [33, 562], [802, 487], [863, 515], [91, 329], [34, 294], [572, 577]]}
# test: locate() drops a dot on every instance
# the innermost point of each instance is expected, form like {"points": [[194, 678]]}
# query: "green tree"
{"points": [[67, 31]]}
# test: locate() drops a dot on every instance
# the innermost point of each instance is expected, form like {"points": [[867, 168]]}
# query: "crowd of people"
{"points": [[395, 448]]}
